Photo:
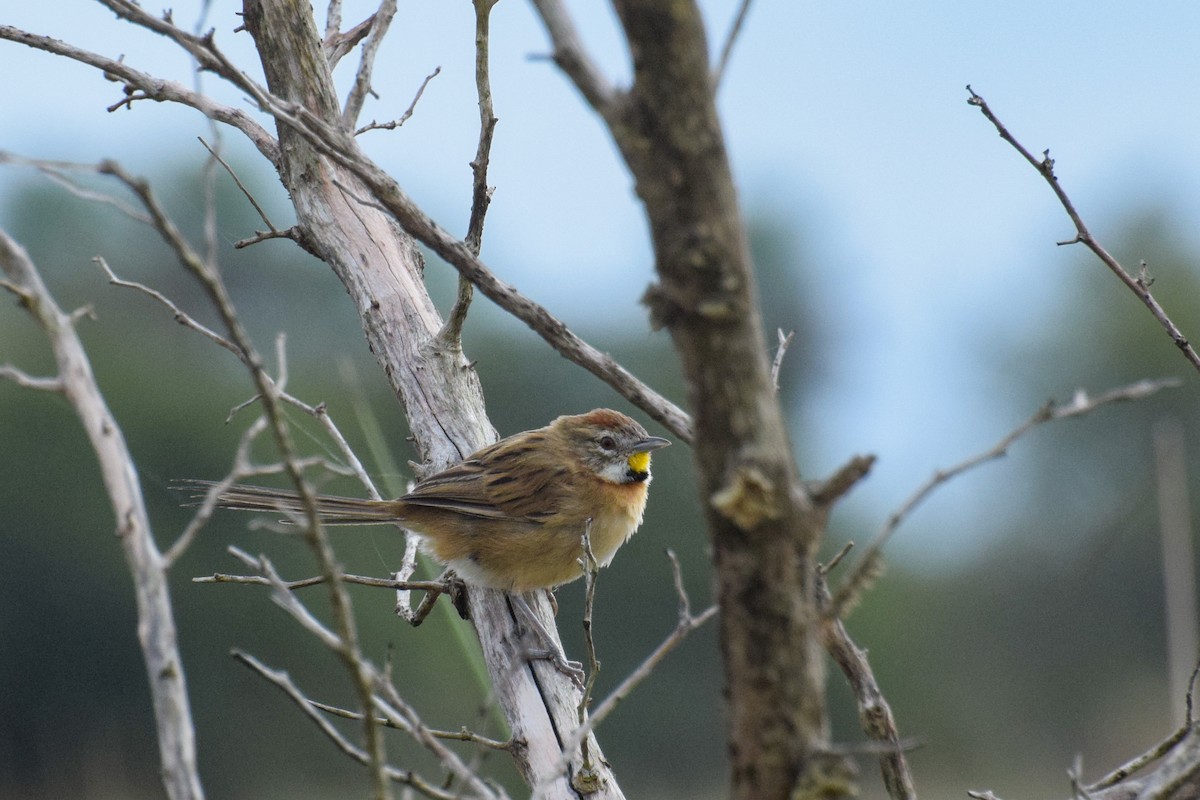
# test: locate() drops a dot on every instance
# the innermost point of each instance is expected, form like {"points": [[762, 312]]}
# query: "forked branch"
{"points": [[1139, 285]]}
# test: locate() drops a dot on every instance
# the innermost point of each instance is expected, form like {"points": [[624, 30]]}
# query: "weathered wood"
{"points": [[381, 268]]}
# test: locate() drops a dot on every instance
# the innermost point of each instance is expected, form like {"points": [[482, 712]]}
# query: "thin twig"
{"points": [[1139, 763], [587, 776], [156, 622], [462, 735], [366, 65], [27, 381], [390, 704], [726, 51], [241, 186], [269, 390], [571, 57], [146, 86], [1081, 403], [180, 316], [408, 112], [294, 233], [780, 352], [686, 624], [337, 44], [1140, 286], [827, 491], [316, 580], [874, 713], [59, 173], [284, 683], [481, 194]]}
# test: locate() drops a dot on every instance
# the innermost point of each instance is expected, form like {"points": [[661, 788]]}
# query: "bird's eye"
{"points": [[608, 443]]}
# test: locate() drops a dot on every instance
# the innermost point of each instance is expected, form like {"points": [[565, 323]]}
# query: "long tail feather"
{"points": [[334, 510]]}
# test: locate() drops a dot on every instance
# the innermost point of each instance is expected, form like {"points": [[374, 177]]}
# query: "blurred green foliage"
{"points": [[1050, 643]]}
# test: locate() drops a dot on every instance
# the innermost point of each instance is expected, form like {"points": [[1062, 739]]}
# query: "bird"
{"points": [[511, 516]]}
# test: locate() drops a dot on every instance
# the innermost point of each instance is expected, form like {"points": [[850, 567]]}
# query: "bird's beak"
{"points": [[650, 443]]}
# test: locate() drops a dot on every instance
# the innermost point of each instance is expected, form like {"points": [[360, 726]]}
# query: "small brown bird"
{"points": [[511, 516]]}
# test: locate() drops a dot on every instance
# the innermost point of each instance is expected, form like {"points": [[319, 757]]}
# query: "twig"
{"points": [[180, 316], [270, 396], [284, 683], [361, 580], [848, 475], [481, 193], [1154, 753], [585, 780], [874, 714], [362, 79], [408, 112], [825, 569], [727, 50], [156, 621], [780, 351], [1140, 286], [27, 381], [1081, 403], [152, 88], [336, 43], [462, 735], [241, 186], [1075, 776], [294, 233], [58, 172], [391, 704], [573, 60], [686, 624]]}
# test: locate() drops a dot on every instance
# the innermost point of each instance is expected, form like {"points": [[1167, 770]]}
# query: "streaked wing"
{"points": [[486, 485]]}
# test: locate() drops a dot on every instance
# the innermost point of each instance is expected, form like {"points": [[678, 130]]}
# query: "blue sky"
{"points": [[930, 235]]}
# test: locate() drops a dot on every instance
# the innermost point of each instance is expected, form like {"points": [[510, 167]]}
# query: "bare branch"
{"points": [[27, 381], [481, 193], [334, 143], [269, 392], [390, 197], [338, 44], [686, 624], [573, 60], [1140, 286], [1155, 753], [241, 186], [284, 683], [151, 88], [828, 491], [408, 112], [361, 580], [362, 79], [586, 778], [869, 563], [727, 50], [780, 352], [156, 623], [179, 314], [294, 233], [462, 735], [874, 713], [59, 173]]}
